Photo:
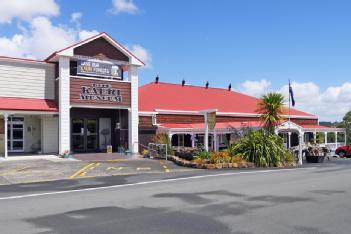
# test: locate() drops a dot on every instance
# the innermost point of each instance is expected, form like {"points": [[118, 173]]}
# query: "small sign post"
{"points": [[109, 149], [210, 124]]}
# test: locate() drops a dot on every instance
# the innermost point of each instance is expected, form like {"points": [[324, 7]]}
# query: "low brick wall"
{"points": [[186, 163]]}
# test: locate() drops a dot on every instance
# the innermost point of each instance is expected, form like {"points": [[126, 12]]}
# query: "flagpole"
{"points": [[289, 102], [289, 134]]}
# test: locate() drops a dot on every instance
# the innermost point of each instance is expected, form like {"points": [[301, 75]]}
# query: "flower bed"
{"points": [[209, 165]]}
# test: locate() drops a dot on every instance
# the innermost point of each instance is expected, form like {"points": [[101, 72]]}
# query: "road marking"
{"points": [[114, 168], [150, 182], [13, 171], [143, 168], [80, 171]]}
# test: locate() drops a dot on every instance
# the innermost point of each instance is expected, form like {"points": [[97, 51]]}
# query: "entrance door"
{"points": [[15, 134], [84, 135]]}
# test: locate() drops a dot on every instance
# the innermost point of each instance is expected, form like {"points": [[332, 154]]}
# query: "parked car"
{"points": [[344, 151]]}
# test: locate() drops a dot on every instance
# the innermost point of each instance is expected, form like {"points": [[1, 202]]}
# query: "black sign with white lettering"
{"points": [[94, 67]]}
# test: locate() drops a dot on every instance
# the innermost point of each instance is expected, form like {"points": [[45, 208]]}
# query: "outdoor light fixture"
{"points": [[118, 125]]}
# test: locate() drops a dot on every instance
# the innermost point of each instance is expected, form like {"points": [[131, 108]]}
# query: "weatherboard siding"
{"points": [[185, 119], [77, 83], [27, 80]]}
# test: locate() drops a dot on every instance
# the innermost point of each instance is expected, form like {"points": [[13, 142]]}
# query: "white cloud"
{"points": [[330, 104], [84, 34], [126, 6], [255, 88], [41, 38], [26, 10], [142, 54], [76, 16]]}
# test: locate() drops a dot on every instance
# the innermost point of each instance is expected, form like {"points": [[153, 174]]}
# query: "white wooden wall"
{"points": [[50, 134], [27, 80]]}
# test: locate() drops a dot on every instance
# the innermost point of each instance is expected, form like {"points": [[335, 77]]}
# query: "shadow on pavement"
{"points": [[121, 220]]}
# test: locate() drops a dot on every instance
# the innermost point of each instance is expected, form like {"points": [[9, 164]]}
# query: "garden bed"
{"points": [[192, 164]]}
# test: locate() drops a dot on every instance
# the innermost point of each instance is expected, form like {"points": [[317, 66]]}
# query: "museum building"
{"points": [[85, 98], [82, 98], [179, 110]]}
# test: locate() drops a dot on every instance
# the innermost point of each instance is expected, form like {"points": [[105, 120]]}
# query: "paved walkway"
{"points": [[105, 156]]}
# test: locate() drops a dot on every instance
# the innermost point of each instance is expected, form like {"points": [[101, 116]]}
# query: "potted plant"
{"points": [[315, 154], [66, 154]]}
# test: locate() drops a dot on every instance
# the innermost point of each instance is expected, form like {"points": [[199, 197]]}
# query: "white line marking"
{"points": [[150, 182]]}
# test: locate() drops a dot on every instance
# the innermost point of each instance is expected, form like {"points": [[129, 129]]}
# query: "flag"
{"points": [[291, 93]]}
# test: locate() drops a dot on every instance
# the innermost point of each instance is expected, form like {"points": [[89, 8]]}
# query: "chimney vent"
{"points": [[230, 87], [157, 79], [207, 84], [183, 82]]}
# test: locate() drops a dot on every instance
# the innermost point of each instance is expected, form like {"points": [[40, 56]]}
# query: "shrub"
{"points": [[262, 148], [220, 157], [237, 159], [187, 154], [201, 155], [163, 138], [146, 153]]}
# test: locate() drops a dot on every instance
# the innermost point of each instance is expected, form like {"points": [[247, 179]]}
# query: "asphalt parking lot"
{"points": [[37, 170]]}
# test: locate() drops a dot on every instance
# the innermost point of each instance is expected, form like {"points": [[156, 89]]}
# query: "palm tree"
{"points": [[270, 106]]}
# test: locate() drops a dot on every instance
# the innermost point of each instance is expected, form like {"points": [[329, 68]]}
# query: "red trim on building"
{"points": [[23, 59], [306, 126], [165, 96], [28, 104]]}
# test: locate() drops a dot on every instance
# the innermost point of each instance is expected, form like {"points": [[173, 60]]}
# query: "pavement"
{"points": [[48, 168], [311, 199]]}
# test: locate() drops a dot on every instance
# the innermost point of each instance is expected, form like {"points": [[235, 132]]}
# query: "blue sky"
{"points": [[255, 45]]}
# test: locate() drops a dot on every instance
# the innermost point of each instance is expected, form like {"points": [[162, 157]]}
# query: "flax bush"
{"points": [[262, 148]]}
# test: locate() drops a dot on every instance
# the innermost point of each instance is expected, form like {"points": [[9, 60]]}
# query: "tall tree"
{"points": [[346, 123], [270, 106]]}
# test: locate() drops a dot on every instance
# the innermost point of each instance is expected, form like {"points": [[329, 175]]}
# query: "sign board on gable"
{"points": [[95, 67]]}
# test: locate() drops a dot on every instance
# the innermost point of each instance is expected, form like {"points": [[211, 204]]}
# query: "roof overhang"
{"points": [[21, 105], [289, 126]]}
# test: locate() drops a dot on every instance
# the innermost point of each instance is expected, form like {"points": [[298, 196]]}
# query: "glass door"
{"points": [[77, 137], [91, 134], [84, 135], [15, 134]]}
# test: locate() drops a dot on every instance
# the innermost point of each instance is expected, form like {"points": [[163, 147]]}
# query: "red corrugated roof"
{"points": [[28, 104], [176, 97], [226, 125]]}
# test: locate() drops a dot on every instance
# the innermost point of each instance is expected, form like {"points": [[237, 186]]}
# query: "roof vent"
{"points": [[230, 87], [183, 82], [207, 84], [157, 79]]}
